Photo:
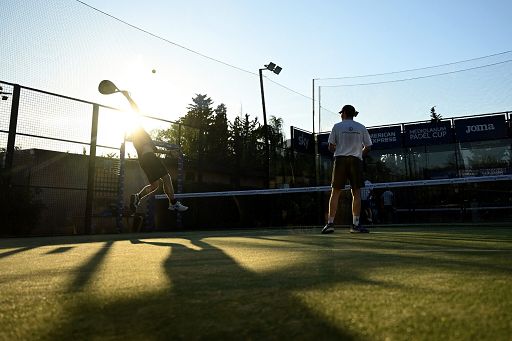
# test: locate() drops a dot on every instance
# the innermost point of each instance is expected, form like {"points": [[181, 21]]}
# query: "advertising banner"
{"points": [[323, 144], [481, 128], [423, 134], [302, 141], [386, 138]]}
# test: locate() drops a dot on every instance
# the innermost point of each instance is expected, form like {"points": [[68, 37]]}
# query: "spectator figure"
{"points": [[388, 199], [365, 201], [374, 207]]}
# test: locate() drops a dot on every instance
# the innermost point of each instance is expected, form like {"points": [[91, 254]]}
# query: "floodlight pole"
{"points": [[313, 97], [275, 69], [265, 127], [315, 136], [319, 107]]}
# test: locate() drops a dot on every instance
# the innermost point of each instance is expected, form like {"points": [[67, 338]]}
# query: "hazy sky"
{"points": [[66, 47]]}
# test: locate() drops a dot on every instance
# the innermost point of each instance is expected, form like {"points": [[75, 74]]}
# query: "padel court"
{"points": [[397, 283]]}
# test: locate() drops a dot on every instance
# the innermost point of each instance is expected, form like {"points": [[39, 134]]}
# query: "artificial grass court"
{"points": [[407, 283]]}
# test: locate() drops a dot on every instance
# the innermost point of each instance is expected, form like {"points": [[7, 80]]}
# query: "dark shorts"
{"points": [[152, 166], [365, 204], [347, 168]]}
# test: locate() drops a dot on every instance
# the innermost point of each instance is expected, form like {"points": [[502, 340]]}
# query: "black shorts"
{"points": [[347, 168], [152, 166], [365, 204]]}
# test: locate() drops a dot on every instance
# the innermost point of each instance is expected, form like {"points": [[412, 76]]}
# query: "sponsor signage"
{"points": [[481, 128], [303, 141], [386, 138], [422, 134], [323, 144]]}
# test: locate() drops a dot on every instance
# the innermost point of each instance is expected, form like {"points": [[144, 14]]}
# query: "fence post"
{"points": [[179, 220], [13, 123], [91, 171], [120, 188]]}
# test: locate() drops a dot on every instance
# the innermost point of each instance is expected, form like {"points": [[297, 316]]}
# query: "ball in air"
{"points": [[153, 71]]}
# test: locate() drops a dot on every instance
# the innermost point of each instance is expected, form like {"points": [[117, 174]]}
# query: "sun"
{"points": [[154, 94], [115, 125]]}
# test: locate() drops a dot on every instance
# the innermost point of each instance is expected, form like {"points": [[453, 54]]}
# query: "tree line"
{"points": [[210, 141]]}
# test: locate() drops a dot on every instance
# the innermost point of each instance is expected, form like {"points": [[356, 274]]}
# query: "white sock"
{"points": [[330, 220], [355, 220]]}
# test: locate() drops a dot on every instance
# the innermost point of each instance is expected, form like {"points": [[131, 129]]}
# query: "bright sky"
{"points": [[66, 47]]}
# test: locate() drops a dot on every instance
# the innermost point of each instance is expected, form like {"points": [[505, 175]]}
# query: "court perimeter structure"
{"points": [[406, 283]]}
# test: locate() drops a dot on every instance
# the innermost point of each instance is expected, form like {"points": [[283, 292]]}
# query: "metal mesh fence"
{"points": [[55, 117], [51, 184], [111, 129], [25, 143], [3, 145], [5, 107]]}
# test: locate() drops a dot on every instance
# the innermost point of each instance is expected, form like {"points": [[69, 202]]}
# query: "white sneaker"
{"points": [[178, 206]]}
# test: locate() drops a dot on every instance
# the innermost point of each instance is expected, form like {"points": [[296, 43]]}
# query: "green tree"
{"points": [[435, 117], [190, 129], [200, 116], [208, 138], [246, 144], [276, 135], [218, 138]]}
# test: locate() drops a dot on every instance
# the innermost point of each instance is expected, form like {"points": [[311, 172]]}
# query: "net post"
{"points": [[91, 170]]}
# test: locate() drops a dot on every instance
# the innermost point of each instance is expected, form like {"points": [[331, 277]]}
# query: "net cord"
{"points": [[412, 183]]}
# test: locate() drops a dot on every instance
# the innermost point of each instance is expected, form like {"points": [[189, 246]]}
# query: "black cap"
{"points": [[349, 110]]}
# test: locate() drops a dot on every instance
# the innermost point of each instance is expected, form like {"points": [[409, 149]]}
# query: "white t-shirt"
{"points": [[349, 137], [365, 191], [387, 198]]}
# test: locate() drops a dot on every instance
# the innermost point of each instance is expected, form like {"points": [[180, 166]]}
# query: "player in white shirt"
{"points": [[349, 141]]}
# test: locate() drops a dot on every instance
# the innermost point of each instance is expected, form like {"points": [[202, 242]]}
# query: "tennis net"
{"points": [[469, 199]]}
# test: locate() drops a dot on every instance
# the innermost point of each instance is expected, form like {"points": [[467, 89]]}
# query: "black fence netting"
{"points": [[68, 168]]}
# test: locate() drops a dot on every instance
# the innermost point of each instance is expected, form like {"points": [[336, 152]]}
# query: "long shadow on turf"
{"points": [[63, 249], [87, 270], [13, 252], [228, 301], [402, 252], [211, 296]]}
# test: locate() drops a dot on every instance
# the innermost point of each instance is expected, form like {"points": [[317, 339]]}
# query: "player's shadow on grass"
{"points": [[211, 296], [229, 301]]}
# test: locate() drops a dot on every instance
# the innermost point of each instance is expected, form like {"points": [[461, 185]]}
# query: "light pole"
{"points": [[276, 69], [315, 138]]}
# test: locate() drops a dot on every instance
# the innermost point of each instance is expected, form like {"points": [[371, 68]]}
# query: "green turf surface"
{"points": [[451, 283]]}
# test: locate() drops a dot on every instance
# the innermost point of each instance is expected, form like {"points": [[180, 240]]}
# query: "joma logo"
{"points": [[479, 128]]}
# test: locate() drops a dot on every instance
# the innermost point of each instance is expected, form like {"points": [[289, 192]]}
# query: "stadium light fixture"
{"points": [[4, 94], [275, 69]]}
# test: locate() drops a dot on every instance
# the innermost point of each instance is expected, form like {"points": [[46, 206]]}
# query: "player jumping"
{"points": [[154, 170]]}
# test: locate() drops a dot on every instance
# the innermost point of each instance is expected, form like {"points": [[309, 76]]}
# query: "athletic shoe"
{"points": [[134, 202], [358, 229], [178, 206], [329, 228]]}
